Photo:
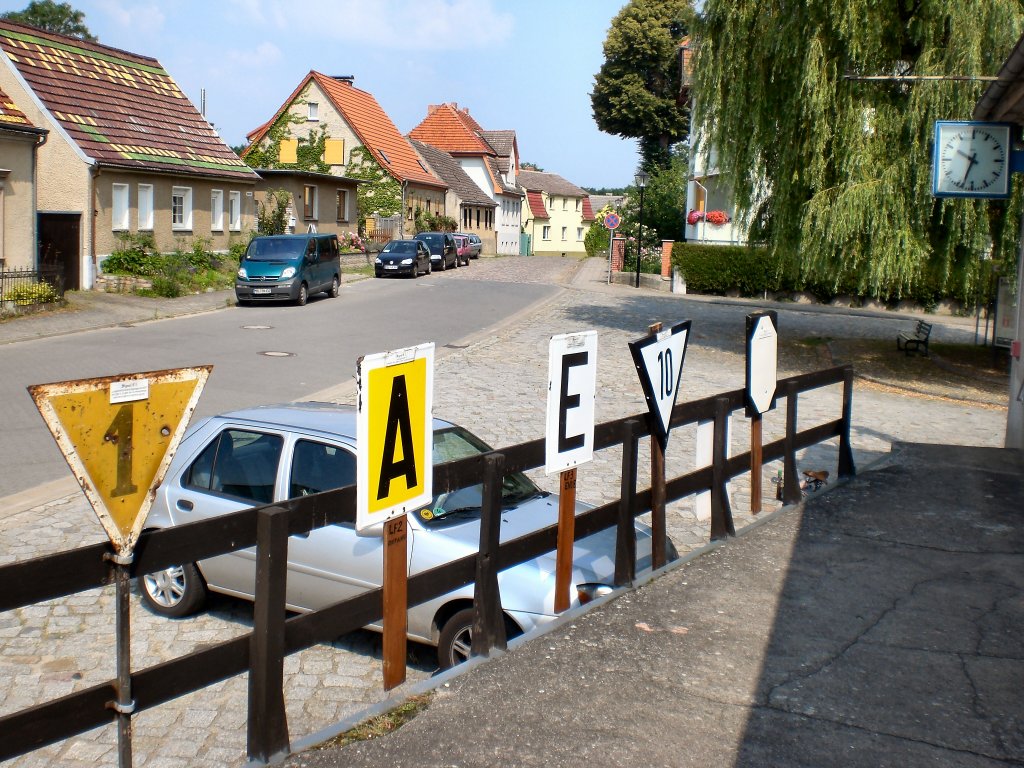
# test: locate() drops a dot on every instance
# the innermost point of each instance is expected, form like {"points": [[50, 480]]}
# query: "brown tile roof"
{"points": [[588, 210], [452, 129], [371, 125], [121, 109], [10, 115], [551, 183], [448, 168], [537, 207], [504, 145]]}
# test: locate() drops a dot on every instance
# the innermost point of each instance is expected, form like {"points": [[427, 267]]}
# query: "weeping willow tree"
{"points": [[833, 172]]}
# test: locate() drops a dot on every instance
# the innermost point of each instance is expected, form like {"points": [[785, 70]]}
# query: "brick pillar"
{"points": [[618, 253], [666, 258]]}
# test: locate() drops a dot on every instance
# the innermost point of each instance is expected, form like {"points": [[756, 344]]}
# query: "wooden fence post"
{"points": [[625, 538], [268, 723], [721, 511], [846, 465], [488, 621], [791, 483]]}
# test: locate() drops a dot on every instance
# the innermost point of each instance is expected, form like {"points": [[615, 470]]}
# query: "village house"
{"points": [[329, 125], [557, 215], [127, 153], [489, 158], [19, 143]]}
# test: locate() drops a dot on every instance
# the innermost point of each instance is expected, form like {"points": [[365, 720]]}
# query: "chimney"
{"points": [[344, 78]]}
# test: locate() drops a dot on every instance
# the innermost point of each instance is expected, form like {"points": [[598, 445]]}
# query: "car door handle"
{"points": [[185, 505]]}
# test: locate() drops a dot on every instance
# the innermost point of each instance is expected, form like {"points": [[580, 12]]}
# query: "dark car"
{"points": [[288, 267], [403, 257], [476, 245], [442, 249]]}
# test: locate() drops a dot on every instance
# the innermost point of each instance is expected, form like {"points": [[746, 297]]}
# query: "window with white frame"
{"points": [[546, 233], [217, 210], [577, 205], [309, 201], [342, 205], [565, 234], [181, 208], [579, 234], [145, 207], [314, 111], [119, 207], [235, 211], [565, 203]]}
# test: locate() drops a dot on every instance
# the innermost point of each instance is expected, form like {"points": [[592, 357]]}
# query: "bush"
{"points": [[135, 255], [596, 239], [31, 293], [717, 269]]}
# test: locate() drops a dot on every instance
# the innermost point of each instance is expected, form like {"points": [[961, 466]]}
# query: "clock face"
{"points": [[971, 160]]}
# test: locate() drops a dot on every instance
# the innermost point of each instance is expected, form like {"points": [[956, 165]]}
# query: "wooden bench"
{"points": [[916, 341]]}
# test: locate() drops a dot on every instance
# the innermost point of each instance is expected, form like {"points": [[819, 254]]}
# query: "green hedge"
{"points": [[719, 269]]}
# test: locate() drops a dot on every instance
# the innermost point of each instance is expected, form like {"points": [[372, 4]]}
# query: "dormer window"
{"points": [[386, 158], [314, 111]]}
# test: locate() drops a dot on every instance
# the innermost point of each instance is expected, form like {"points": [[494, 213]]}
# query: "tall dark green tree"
{"points": [[53, 17], [834, 172], [638, 91]]}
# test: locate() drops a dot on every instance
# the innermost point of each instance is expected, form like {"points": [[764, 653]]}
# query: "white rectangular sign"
{"points": [[394, 434], [572, 390]]}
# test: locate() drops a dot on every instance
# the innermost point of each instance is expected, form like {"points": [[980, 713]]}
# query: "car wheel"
{"points": [[303, 295], [177, 591], [430, 267], [335, 288], [456, 261], [444, 264], [456, 639], [415, 271]]}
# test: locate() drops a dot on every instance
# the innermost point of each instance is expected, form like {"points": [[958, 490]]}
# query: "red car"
{"points": [[462, 249]]}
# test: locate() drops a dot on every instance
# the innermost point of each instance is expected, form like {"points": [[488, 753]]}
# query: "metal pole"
{"points": [[125, 705], [639, 238]]}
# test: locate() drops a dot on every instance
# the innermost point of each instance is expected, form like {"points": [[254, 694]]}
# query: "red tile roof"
{"points": [[536, 202], [10, 115], [588, 210], [452, 129], [120, 108], [370, 124]]}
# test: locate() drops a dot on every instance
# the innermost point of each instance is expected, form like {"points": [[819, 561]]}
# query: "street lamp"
{"points": [[641, 182]]}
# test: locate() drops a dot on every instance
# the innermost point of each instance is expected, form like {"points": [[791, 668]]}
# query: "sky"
{"points": [[527, 66]]}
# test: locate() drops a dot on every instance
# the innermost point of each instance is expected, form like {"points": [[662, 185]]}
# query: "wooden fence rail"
{"points": [[261, 651]]}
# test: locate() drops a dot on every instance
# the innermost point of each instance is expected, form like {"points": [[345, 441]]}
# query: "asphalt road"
{"points": [[313, 348]]}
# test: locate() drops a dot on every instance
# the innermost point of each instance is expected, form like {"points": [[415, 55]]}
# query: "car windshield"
{"points": [[430, 239], [404, 247], [464, 504], [276, 248]]}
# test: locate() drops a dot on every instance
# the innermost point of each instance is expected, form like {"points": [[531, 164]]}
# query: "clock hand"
{"points": [[972, 160]]}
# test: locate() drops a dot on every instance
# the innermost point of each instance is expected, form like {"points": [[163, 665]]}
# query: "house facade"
{"points": [[328, 124], [489, 158], [319, 202], [127, 153], [466, 202], [558, 214], [19, 141], [709, 200]]}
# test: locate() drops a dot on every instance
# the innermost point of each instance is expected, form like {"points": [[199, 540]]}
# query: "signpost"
{"points": [[762, 374], [659, 364], [118, 435], [569, 441], [394, 438]]}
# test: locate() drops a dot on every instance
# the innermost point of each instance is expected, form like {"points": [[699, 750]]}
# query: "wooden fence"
{"points": [[261, 652]]}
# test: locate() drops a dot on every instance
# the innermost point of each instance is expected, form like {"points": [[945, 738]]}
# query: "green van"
{"points": [[288, 268]]}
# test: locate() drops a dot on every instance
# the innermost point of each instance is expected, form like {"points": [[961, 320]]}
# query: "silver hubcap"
{"points": [[166, 587], [462, 646]]}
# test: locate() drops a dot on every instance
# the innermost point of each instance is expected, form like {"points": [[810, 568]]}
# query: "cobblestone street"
{"points": [[495, 386]]}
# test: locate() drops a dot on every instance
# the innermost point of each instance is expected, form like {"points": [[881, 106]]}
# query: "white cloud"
{"points": [[263, 54], [140, 18], [435, 25]]}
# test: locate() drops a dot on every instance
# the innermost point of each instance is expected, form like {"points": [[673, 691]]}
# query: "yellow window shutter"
{"points": [[334, 152], [289, 151]]}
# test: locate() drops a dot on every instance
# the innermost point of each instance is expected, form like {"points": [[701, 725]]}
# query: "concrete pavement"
{"points": [[491, 386]]}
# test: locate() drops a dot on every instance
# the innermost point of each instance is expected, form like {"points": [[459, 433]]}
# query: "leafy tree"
{"points": [[638, 91], [527, 166], [53, 17], [833, 173]]}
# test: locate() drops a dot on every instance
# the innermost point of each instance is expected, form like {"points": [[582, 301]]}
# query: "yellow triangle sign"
{"points": [[119, 434]]}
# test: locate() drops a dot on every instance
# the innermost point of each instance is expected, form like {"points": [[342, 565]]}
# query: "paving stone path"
{"points": [[495, 387]]}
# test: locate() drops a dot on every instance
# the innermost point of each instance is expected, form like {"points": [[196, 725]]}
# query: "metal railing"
{"points": [[29, 287], [260, 653]]}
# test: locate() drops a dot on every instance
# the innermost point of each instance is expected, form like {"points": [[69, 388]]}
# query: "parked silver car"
{"points": [[264, 454]]}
